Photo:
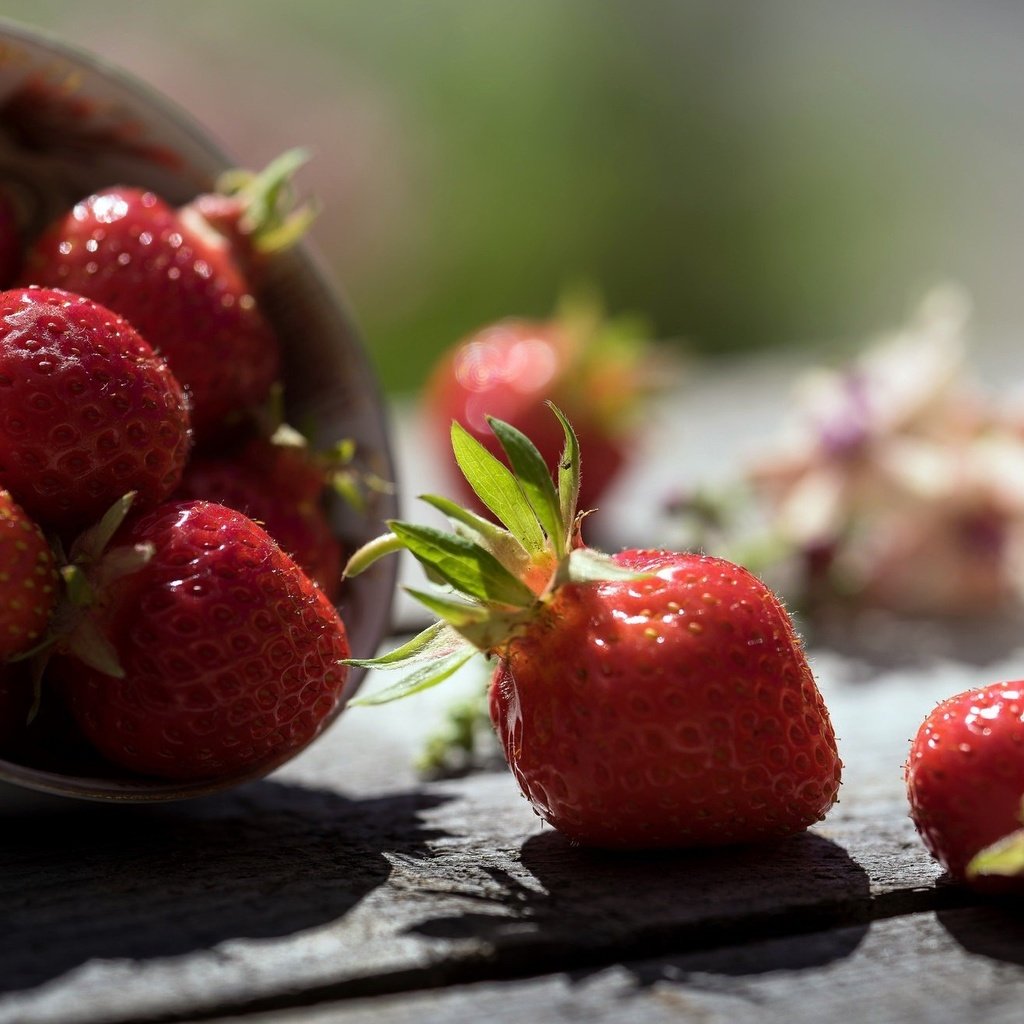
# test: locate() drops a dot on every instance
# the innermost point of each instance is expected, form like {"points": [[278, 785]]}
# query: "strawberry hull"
{"points": [[73, 126]]}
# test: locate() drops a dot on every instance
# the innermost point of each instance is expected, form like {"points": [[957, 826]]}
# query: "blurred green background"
{"points": [[745, 174]]}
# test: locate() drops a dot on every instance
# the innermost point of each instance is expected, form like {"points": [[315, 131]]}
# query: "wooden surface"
{"points": [[346, 887]]}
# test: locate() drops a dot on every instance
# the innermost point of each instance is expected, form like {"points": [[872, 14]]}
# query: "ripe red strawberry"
{"points": [[184, 283], [87, 410], [215, 657], [511, 368], [965, 783], [647, 700], [281, 486], [28, 580]]}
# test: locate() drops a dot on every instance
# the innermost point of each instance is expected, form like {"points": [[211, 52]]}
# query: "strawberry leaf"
{"points": [[434, 655], [468, 524], [455, 611], [464, 565], [568, 470], [77, 586], [1004, 858], [362, 558], [485, 628], [90, 544], [421, 678], [436, 641], [586, 565], [535, 480], [496, 486], [90, 646]]}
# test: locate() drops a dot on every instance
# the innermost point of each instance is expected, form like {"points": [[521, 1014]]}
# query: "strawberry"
{"points": [[965, 784], [183, 279], [28, 580], [193, 647], [653, 699], [280, 484], [87, 409], [594, 369]]}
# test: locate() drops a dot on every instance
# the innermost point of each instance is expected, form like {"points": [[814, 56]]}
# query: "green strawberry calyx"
{"points": [[613, 365], [271, 217], [1004, 858], [491, 579], [91, 565]]}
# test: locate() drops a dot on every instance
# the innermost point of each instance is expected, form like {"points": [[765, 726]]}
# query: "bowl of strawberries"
{"points": [[191, 440]]}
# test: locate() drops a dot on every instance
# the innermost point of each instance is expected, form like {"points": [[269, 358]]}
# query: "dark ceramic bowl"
{"points": [[71, 124]]}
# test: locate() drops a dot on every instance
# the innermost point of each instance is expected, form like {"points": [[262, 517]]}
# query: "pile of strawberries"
{"points": [[143, 610]]}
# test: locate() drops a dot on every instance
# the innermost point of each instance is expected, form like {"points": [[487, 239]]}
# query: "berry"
{"points": [[28, 580], [594, 369], [215, 657], [183, 279], [88, 412], [653, 699], [281, 486], [965, 784]]}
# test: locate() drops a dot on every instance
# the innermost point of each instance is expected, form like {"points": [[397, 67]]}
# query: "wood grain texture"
{"points": [[923, 968], [344, 876]]}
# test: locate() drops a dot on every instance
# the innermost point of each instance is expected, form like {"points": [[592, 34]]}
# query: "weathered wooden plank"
{"points": [[926, 968], [343, 875]]}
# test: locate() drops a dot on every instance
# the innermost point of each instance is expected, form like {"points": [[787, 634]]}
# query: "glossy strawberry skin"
{"points": [[178, 284], [231, 656], [281, 488], [28, 580], [672, 711], [965, 774], [88, 411], [510, 370]]}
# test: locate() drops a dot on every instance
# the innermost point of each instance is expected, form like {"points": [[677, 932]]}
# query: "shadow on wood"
{"points": [[994, 930], [584, 909], [140, 882]]}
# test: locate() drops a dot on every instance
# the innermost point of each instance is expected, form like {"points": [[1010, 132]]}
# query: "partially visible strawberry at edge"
{"points": [[965, 784]]}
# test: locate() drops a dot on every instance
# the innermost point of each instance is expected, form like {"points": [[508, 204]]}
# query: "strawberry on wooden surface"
{"points": [[183, 278], [598, 370], [650, 699], [192, 647], [88, 411], [965, 783]]}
